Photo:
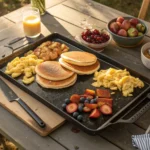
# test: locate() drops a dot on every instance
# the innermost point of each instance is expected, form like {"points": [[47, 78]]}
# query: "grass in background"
{"points": [[127, 6], [7, 6]]}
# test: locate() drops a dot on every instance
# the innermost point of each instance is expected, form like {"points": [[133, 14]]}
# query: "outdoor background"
{"points": [[128, 6]]}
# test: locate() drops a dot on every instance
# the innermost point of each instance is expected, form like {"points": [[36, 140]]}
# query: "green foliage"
{"points": [[7, 6]]}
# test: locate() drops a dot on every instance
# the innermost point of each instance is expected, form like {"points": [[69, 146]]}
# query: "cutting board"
{"points": [[52, 119]]}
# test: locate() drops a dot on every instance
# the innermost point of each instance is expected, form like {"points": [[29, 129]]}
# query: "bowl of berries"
{"points": [[127, 31], [95, 39]]}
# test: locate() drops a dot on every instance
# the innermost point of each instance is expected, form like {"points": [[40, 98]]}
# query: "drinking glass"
{"points": [[31, 22]]}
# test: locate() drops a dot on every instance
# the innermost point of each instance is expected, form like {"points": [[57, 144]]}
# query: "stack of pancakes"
{"points": [[51, 74], [82, 63]]}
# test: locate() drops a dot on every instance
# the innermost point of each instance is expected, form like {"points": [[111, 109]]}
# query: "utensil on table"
{"points": [[8, 49], [11, 96]]}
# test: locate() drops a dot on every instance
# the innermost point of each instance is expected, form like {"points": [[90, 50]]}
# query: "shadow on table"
{"points": [[52, 25]]}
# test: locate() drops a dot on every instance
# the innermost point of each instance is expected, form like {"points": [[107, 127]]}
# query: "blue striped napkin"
{"points": [[141, 142]]}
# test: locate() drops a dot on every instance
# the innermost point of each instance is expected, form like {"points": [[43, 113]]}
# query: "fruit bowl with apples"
{"points": [[96, 39], [127, 31]]}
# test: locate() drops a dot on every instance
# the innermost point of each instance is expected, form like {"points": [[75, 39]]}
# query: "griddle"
{"points": [[125, 109]]}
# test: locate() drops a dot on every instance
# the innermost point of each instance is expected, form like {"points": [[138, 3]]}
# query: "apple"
{"points": [[119, 24], [140, 27], [120, 19], [114, 27], [122, 32], [140, 34], [125, 25], [134, 21], [132, 32]]}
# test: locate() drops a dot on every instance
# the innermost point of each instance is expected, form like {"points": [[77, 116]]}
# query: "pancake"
{"points": [[56, 84], [52, 70], [81, 70], [79, 58]]}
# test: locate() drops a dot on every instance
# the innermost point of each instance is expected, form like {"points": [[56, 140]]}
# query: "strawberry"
{"points": [[103, 93], [106, 109], [72, 107], [75, 98], [95, 113], [86, 109], [102, 101], [89, 92], [91, 106]]}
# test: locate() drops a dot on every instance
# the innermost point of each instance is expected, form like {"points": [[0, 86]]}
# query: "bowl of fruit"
{"points": [[95, 39], [127, 31]]}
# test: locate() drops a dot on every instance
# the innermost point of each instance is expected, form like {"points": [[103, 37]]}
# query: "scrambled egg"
{"points": [[23, 65], [117, 79]]}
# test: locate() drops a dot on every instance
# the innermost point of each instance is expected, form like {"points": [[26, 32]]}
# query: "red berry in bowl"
{"points": [[95, 36]]}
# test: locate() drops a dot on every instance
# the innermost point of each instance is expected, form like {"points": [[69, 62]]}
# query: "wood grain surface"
{"points": [[51, 119]]}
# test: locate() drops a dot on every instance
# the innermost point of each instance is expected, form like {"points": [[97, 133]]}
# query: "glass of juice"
{"points": [[31, 22]]}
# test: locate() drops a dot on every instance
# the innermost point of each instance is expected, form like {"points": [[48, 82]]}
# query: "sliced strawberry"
{"points": [[72, 107], [102, 101], [75, 98], [87, 96], [86, 109], [91, 106], [90, 92], [106, 109], [95, 113], [103, 93]]}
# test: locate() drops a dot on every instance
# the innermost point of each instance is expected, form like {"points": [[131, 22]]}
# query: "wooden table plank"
{"points": [[5, 23], [144, 120], [97, 10], [16, 16], [80, 139], [24, 137], [120, 134]]}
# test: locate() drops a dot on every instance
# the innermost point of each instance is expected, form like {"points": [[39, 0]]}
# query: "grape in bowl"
{"points": [[95, 39]]}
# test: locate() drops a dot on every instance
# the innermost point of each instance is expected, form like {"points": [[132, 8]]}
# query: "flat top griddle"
{"points": [[55, 98]]}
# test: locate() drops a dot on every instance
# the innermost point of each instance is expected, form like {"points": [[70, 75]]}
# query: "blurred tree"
{"points": [[7, 6]]}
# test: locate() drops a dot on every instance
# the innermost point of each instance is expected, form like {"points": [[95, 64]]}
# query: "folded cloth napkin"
{"points": [[142, 142]]}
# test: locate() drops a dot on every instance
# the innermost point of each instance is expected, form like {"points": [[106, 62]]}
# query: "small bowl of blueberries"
{"points": [[96, 39]]}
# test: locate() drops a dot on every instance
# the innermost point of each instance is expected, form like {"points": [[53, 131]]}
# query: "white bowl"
{"points": [[145, 60], [98, 47]]}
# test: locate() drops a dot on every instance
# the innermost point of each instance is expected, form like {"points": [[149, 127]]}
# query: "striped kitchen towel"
{"points": [[142, 142]]}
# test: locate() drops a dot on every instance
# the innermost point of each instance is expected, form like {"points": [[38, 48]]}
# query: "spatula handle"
{"points": [[31, 113]]}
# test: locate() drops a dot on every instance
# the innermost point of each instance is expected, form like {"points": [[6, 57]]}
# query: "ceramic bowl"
{"points": [[145, 60], [98, 47], [127, 41]]}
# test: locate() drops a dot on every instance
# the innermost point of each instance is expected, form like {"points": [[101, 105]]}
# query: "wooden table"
{"points": [[64, 16]]}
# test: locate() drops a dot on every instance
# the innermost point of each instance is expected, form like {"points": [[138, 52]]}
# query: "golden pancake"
{"points": [[56, 84], [81, 70], [52, 70], [79, 58]]}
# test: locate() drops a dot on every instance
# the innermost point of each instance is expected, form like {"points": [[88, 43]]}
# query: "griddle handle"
{"points": [[140, 112]]}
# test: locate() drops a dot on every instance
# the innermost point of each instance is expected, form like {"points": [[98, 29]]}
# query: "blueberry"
{"points": [[88, 98], [80, 108], [82, 99], [92, 101], [67, 100], [86, 101], [64, 106], [95, 100], [80, 117], [75, 114]]}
